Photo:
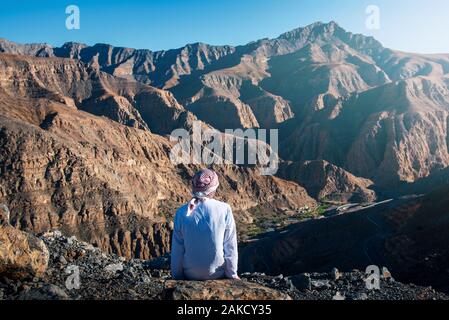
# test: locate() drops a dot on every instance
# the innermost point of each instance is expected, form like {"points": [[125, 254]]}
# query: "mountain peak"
{"points": [[74, 44], [331, 32], [317, 27]]}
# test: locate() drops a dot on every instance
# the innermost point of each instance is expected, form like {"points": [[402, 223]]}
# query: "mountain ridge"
{"points": [[302, 83], [85, 147], [96, 176], [358, 114]]}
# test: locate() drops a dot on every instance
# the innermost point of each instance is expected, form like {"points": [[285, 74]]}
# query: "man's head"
{"points": [[205, 183]]}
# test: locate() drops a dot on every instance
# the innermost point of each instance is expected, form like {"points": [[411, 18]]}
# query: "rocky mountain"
{"points": [[35, 49], [327, 182], [334, 95], [393, 133], [84, 149], [76, 85], [107, 180]]}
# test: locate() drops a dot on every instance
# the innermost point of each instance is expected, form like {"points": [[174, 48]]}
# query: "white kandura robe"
{"points": [[204, 242]]}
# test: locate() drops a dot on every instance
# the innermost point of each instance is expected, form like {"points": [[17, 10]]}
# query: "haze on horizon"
{"points": [[407, 25]]}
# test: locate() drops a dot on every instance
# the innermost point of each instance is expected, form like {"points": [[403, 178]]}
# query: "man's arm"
{"points": [[230, 247], [177, 251]]}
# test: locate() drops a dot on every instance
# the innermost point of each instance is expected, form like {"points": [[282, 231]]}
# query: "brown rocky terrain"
{"points": [[220, 290], [397, 132], [334, 95], [22, 255], [83, 149], [327, 182], [108, 183], [72, 83]]}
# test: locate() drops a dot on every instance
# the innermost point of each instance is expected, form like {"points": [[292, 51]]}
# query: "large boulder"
{"points": [[220, 290], [22, 255]]}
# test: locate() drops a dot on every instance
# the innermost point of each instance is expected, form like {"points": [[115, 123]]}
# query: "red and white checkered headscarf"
{"points": [[204, 184]]}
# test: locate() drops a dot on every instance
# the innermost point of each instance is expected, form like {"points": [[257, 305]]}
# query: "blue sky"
{"points": [[409, 25]]}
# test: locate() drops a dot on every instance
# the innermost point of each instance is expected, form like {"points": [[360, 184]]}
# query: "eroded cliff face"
{"points": [[397, 132], [75, 84], [366, 111], [328, 182], [104, 189], [334, 95], [109, 183]]}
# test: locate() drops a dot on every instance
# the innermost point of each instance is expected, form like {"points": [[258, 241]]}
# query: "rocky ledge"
{"points": [[77, 270]]}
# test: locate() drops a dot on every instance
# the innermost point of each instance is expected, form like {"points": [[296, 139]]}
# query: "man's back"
{"points": [[204, 242]]}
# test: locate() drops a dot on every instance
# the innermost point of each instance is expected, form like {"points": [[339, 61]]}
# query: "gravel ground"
{"points": [[105, 277], [348, 286]]}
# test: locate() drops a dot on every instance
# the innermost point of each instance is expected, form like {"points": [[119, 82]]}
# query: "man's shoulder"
{"points": [[217, 203]]}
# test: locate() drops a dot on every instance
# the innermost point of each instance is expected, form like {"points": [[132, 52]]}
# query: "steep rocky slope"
{"points": [[397, 132], [328, 182], [419, 243], [73, 83], [409, 236], [82, 147], [110, 184], [334, 95]]}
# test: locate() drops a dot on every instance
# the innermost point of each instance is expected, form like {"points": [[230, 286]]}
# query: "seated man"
{"points": [[204, 242]]}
